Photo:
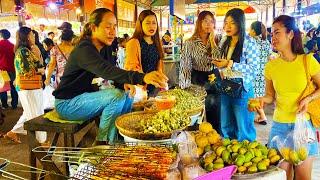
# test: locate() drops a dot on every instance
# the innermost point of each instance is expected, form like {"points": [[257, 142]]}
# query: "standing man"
{"points": [[6, 64], [42, 33]]}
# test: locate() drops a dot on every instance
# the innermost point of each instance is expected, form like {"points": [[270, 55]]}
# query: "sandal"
{"points": [[263, 122], [12, 137]]}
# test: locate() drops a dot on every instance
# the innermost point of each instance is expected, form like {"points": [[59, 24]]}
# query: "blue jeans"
{"points": [[236, 121], [13, 91], [283, 129], [109, 103]]}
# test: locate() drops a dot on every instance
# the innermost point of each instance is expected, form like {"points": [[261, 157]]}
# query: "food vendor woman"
{"points": [[75, 95], [144, 52]]}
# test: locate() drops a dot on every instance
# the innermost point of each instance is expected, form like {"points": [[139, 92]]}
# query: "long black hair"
{"points": [[95, 18], [238, 17]]}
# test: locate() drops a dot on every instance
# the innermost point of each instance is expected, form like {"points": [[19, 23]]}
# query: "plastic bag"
{"points": [[294, 146], [186, 145], [140, 95], [48, 98]]}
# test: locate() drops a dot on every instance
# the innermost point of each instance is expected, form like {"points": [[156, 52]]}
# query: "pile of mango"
{"points": [[292, 156], [249, 157], [206, 137]]}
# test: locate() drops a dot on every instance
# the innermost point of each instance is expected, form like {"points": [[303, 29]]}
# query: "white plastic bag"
{"points": [[140, 95], [48, 98]]}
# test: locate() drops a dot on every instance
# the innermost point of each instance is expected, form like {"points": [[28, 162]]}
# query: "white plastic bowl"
{"points": [[133, 140]]}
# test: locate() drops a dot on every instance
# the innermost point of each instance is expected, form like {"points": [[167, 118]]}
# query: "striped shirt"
{"points": [[194, 55]]}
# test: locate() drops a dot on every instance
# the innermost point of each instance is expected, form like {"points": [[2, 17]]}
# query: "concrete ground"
{"points": [[19, 152]]}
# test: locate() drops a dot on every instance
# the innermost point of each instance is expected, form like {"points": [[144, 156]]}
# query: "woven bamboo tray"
{"points": [[129, 125]]}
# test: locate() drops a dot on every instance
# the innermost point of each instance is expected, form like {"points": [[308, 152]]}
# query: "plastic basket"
{"points": [[221, 174]]}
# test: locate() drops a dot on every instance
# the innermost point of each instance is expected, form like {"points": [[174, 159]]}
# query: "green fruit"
{"points": [[218, 161], [234, 141], [234, 156], [272, 152], [220, 150], [266, 161], [226, 142], [302, 153], [256, 159], [248, 156], [239, 161], [253, 144], [276, 158], [247, 164], [242, 169], [294, 158], [225, 155], [252, 169], [209, 167], [257, 153], [246, 142], [218, 166], [236, 147], [229, 147], [242, 150], [207, 148], [262, 166]]}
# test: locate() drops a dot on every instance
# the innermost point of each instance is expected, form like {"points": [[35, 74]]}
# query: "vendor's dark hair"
{"points": [[95, 18], [22, 39], [259, 29], [5, 34], [290, 24], [238, 17]]}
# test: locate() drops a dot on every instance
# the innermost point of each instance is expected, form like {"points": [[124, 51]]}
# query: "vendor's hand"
{"points": [[303, 105], [255, 104], [131, 89], [156, 78], [220, 63], [47, 82]]}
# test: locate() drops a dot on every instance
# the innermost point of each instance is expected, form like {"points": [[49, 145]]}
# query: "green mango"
{"points": [[218, 161], [236, 147], [225, 155], [262, 166], [248, 156], [252, 169], [226, 142], [242, 150], [207, 148], [253, 144], [247, 164], [240, 160], [209, 167], [256, 159], [218, 166], [220, 150], [257, 152]]}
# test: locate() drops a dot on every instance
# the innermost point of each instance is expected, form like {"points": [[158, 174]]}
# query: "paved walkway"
{"points": [[19, 152]]}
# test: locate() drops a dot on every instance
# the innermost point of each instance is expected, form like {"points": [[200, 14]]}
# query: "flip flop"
{"points": [[263, 122]]}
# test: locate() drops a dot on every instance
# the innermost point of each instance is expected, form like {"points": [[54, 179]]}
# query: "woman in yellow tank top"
{"points": [[285, 82]]}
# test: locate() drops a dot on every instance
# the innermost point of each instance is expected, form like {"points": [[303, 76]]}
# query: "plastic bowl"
{"points": [[133, 140], [165, 102]]}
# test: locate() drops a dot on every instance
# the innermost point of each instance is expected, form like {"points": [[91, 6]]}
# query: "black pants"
{"points": [[212, 101]]}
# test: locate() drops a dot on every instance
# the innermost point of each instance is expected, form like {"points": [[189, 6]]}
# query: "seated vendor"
{"points": [[75, 95]]}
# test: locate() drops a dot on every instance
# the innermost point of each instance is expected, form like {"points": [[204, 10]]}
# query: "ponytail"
{"points": [[86, 32]]}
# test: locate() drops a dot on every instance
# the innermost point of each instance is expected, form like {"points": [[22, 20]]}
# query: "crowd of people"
{"points": [[239, 58]]}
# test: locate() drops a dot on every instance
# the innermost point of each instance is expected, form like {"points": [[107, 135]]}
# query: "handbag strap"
{"points": [[61, 52], [306, 69]]}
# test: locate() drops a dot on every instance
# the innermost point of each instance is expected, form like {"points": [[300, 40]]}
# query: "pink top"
{"points": [[61, 62]]}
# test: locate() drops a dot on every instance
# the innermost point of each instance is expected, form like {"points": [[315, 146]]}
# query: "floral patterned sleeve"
{"points": [[25, 62]]}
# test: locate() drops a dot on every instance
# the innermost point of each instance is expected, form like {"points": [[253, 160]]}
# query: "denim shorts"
{"points": [[283, 129]]}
